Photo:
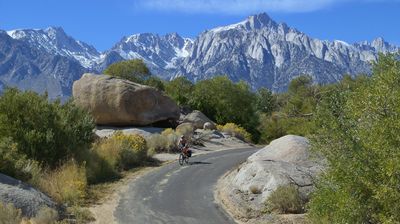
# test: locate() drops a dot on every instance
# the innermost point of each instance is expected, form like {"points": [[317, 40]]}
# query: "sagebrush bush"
{"points": [[236, 131], [9, 214], [168, 140], [121, 151], [132, 143], [185, 129], [285, 199], [158, 143], [66, 184], [48, 132]]}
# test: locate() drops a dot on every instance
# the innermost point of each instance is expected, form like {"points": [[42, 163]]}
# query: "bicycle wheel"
{"points": [[181, 159], [186, 160]]}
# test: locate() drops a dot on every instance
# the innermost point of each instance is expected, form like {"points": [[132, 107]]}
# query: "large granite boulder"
{"points": [[119, 102], [286, 161], [198, 119], [23, 196]]}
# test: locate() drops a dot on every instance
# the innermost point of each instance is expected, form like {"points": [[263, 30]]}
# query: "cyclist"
{"points": [[183, 145]]}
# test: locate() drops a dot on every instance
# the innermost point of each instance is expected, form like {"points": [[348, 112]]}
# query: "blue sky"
{"points": [[104, 22]]}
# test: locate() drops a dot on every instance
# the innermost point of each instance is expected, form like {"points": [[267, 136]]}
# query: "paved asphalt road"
{"points": [[178, 195]]}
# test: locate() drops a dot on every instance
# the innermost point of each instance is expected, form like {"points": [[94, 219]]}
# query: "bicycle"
{"points": [[183, 159]]}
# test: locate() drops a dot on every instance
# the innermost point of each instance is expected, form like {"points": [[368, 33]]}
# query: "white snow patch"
{"points": [[16, 34], [342, 42], [229, 27]]}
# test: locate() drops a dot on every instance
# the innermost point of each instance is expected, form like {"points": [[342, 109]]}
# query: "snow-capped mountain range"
{"points": [[258, 50]]}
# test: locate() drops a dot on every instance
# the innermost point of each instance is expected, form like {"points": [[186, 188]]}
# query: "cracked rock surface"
{"points": [[285, 161]]}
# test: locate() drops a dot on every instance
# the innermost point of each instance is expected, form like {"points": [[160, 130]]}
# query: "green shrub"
{"points": [[98, 169], [359, 137], [285, 199], [67, 184], [133, 70], [236, 131], [15, 164], [9, 214], [43, 131], [279, 124]]}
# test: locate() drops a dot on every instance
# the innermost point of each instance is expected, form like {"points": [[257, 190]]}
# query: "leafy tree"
{"points": [[301, 96], [180, 90], [226, 102], [294, 110], [133, 70], [266, 102], [155, 82], [43, 131], [359, 136]]}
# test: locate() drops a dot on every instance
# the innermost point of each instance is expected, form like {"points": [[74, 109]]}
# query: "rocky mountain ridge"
{"points": [[258, 50]]}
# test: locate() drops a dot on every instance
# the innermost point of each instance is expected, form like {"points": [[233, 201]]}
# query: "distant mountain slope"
{"points": [[27, 66], [269, 54], [259, 50], [163, 54]]}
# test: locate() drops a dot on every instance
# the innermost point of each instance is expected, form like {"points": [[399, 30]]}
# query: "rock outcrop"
{"points": [[209, 126], [118, 102], [286, 161], [198, 119], [23, 196]]}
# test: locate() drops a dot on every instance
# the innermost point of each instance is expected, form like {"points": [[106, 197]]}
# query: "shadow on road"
{"points": [[199, 163]]}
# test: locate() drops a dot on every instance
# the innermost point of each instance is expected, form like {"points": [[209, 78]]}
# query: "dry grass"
{"points": [[45, 216], [284, 200], [66, 184], [9, 214]]}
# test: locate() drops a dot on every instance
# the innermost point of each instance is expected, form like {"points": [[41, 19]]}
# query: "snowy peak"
{"points": [[160, 52], [254, 22], [54, 40]]}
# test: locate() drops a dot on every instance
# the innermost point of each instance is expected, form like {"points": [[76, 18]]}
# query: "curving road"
{"points": [[180, 195]]}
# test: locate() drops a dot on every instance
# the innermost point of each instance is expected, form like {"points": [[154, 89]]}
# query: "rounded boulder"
{"points": [[119, 102]]}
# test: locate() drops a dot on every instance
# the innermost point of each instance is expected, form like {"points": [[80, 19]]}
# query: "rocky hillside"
{"points": [[269, 54], [163, 54], [27, 64], [259, 50]]}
